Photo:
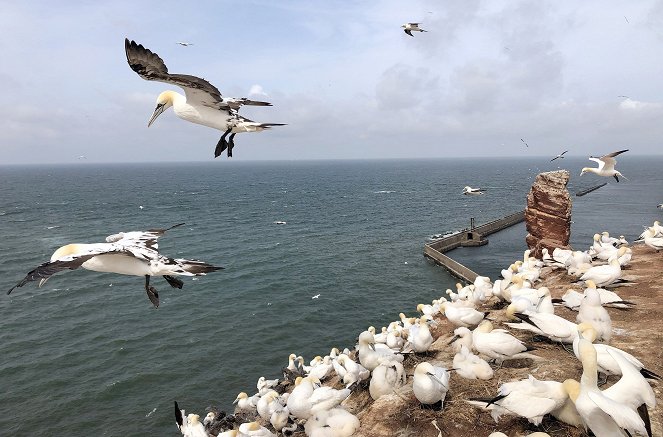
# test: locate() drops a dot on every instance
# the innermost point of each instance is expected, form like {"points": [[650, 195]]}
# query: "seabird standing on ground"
{"points": [[127, 253], [561, 155], [606, 165], [203, 103], [412, 27]]}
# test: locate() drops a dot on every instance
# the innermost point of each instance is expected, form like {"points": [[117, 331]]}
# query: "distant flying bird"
{"points": [[660, 206], [127, 253], [526, 145], [606, 166], [473, 191], [81, 157], [624, 97], [202, 104], [412, 27], [626, 19], [561, 155], [185, 44], [316, 296]]}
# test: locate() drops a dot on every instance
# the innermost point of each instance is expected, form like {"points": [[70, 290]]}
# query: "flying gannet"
{"points": [[127, 253], [561, 155], [606, 165], [185, 44], [202, 103], [473, 191], [412, 27]]}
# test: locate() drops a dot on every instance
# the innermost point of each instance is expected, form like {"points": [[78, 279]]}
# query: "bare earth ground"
{"points": [[637, 331]]}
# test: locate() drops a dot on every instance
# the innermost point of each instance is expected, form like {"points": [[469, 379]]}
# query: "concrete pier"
{"points": [[468, 237]]}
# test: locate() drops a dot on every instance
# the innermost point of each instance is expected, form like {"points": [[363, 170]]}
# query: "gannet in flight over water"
{"points": [[412, 27], [127, 253], [202, 103], [606, 166], [473, 191], [561, 155]]}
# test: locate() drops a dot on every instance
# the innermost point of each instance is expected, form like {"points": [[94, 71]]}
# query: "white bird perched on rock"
{"points": [[353, 372], [420, 335], [265, 385], [430, 384], [336, 422], [470, 366], [127, 253], [267, 404], [412, 27], [606, 364], [604, 275], [532, 399], [650, 240], [308, 397], [462, 316], [606, 166], [602, 415], [189, 425], [388, 376], [369, 356], [498, 344], [322, 369], [462, 337], [554, 327], [203, 103], [254, 429], [572, 299], [244, 402], [591, 311]]}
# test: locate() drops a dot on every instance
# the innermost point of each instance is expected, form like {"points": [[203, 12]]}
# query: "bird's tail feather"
{"points": [[195, 268]]}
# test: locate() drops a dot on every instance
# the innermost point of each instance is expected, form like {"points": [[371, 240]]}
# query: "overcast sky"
{"points": [[343, 74]]}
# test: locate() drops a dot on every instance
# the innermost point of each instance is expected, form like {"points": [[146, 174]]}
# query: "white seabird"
{"points": [[470, 366], [606, 165], [430, 384], [127, 253], [561, 155], [190, 425], [412, 27], [469, 191], [184, 44], [202, 103]]}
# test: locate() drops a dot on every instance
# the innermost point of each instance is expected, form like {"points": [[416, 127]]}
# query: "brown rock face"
{"points": [[548, 213]]}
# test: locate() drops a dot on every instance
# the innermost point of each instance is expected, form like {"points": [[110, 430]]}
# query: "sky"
{"points": [[350, 84]]}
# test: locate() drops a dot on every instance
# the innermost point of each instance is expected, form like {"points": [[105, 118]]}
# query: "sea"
{"points": [[314, 253]]}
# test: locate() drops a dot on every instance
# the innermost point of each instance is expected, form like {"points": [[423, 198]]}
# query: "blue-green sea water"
{"points": [[87, 354]]}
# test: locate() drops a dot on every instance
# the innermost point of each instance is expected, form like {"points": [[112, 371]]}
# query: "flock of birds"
{"points": [[377, 363]]}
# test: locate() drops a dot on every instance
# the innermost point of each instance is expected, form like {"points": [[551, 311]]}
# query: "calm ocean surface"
{"points": [[88, 355]]}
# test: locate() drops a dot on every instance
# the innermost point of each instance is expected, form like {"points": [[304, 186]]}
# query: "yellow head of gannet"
{"points": [[164, 101], [572, 387], [590, 284], [241, 395]]}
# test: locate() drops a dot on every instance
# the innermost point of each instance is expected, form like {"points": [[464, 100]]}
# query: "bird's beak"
{"points": [[157, 112], [42, 282], [371, 345], [235, 401], [434, 377], [455, 337]]}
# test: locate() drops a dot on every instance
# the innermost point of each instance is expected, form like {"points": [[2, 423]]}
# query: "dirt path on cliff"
{"points": [[638, 331]]}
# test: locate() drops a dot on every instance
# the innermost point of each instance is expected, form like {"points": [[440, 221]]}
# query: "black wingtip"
{"points": [[649, 374], [556, 300], [178, 415]]}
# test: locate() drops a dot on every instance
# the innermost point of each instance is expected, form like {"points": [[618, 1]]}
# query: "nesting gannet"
{"points": [[420, 335], [386, 377], [336, 422], [601, 414], [264, 385], [462, 316], [606, 364], [203, 103], [606, 166], [650, 240], [127, 253], [189, 425], [591, 311], [308, 397], [244, 402], [352, 372], [473, 191], [267, 404], [412, 27], [572, 299], [254, 429], [532, 399], [462, 337], [470, 366], [498, 344], [430, 384], [369, 356], [561, 155], [554, 327], [604, 275]]}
